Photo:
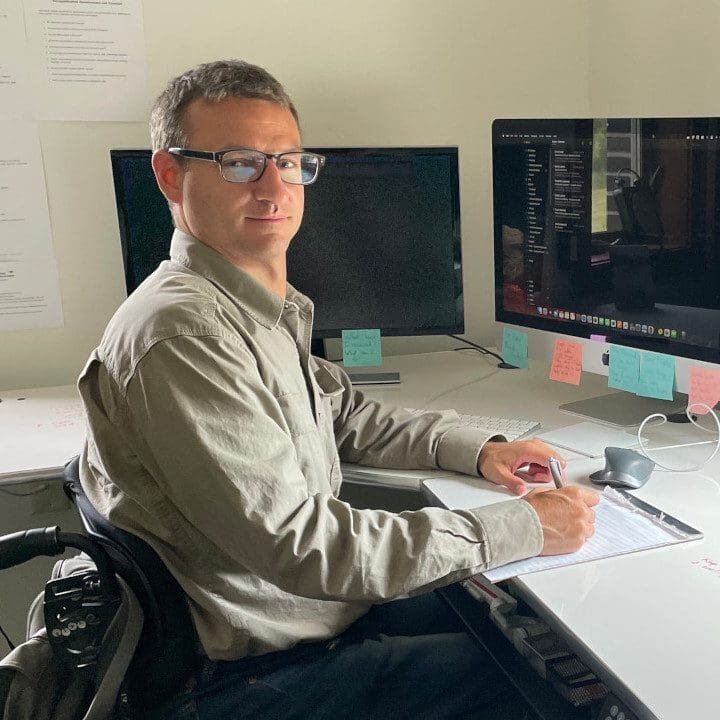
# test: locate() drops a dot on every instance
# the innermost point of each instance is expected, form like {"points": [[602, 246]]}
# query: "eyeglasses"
{"points": [[243, 165]]}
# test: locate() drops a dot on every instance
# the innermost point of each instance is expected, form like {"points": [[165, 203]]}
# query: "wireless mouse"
{"points": [[624, 468]]}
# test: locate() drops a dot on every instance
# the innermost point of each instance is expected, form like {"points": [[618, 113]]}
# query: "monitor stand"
{"points": [[317, 348], [378, 377], [624, 409], [373, 377]]}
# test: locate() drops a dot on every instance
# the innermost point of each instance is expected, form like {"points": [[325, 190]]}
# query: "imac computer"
{"points": [[611, 227], [378, 248]]}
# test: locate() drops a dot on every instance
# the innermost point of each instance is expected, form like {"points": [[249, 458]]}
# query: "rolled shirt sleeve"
{"points": [[381, 435]]}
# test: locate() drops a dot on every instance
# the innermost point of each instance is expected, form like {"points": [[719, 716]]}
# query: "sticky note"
{"points": [[361, 347], [704, 388], [657, 376], [598, 338], [515, 347], [624, 368], [567, 362]]}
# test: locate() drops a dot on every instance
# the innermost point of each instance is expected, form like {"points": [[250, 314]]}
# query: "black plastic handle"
{"points": [[22, 546]]}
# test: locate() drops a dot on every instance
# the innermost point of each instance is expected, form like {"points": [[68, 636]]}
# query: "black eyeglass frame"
{"points": [[217, 156]]}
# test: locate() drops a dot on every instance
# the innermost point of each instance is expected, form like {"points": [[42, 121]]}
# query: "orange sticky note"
{"points": [[704, 388], [567, 362]]}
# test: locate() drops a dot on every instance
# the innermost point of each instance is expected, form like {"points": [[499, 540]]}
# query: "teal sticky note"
{"points": [[361, 347], [657, 376], [515, 347], [624, 368]]}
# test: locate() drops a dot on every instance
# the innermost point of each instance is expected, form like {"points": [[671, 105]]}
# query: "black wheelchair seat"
{"points": [[168, 647]]}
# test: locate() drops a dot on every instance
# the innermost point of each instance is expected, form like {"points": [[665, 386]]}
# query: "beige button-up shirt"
{"points": [[217, 438]]}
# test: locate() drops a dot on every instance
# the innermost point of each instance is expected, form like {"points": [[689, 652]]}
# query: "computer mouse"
{"points": [[624, 468]]}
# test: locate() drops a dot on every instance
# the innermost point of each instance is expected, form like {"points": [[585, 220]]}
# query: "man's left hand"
{"points": [[499, 462]]}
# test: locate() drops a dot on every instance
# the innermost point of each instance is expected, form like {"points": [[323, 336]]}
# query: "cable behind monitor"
{"points": [[502, 364]]}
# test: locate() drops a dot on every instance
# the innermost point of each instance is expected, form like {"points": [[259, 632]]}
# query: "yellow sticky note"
{"points": [[567, 362]]}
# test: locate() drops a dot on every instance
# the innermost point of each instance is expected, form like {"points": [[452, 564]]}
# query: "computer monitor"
{"points": [[610, 227], [379, 245]]}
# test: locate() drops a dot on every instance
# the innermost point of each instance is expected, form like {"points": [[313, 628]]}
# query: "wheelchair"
{"points": [[122, 628]]}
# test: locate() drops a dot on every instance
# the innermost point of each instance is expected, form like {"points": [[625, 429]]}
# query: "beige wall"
{"points": [[380, 72], [654, 58]]}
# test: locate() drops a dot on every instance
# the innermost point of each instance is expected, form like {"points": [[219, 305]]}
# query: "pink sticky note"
{"points": [[704, 388], [598, 338], [567, 362]]}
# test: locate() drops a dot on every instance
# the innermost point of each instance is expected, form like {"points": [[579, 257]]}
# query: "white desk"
{"points": [[40, 430], [648, 623]]}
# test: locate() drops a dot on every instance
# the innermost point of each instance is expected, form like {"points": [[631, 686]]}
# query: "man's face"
{"points": [[246, 222]]}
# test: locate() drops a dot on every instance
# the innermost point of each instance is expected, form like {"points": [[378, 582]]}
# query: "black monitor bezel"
{"points": [[398, 152], [117, 155]]}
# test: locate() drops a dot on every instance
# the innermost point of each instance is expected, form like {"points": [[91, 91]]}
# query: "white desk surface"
{"points": [[649, 622], [40, 430]]}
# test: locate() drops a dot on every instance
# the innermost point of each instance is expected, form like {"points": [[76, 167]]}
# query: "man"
{"points": [[215, 437]]}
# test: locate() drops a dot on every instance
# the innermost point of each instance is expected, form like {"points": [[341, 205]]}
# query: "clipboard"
{"points": [[651, 510], [624, 524]]}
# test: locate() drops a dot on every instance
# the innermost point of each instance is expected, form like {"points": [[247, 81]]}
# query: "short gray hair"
{"points": [[215, 82]]}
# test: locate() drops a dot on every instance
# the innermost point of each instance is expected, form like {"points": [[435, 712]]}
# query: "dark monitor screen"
{"points": [[610, 227], [379, 245]]}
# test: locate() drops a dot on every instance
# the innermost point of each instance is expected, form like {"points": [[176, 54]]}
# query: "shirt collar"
{"points": [[262, 304]]}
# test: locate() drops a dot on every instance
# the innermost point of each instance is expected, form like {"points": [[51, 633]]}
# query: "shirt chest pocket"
{"points": [[330, 392], [297, 412], [329, 395], [303, 414]]}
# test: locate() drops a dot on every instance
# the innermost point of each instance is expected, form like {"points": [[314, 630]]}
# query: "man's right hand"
{"points": [[566, 516]]}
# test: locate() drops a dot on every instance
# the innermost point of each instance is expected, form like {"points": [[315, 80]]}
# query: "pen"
{"points": [[556, 472]]}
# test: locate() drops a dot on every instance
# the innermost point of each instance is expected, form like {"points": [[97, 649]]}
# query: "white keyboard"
{"points": [[511, 428]]}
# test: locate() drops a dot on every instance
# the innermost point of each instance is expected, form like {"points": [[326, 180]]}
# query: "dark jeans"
{"points": [[404, 659]]}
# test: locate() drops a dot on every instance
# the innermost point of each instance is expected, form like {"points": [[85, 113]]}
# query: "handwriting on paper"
{"points": [[63, 415], [704, 388], [515, 347], [708, 564], [567, 362], [361, 347], [624, 372], [657, 376]]}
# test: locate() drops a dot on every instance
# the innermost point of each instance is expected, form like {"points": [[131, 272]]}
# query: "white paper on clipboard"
{"points": [[624, 524]]}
